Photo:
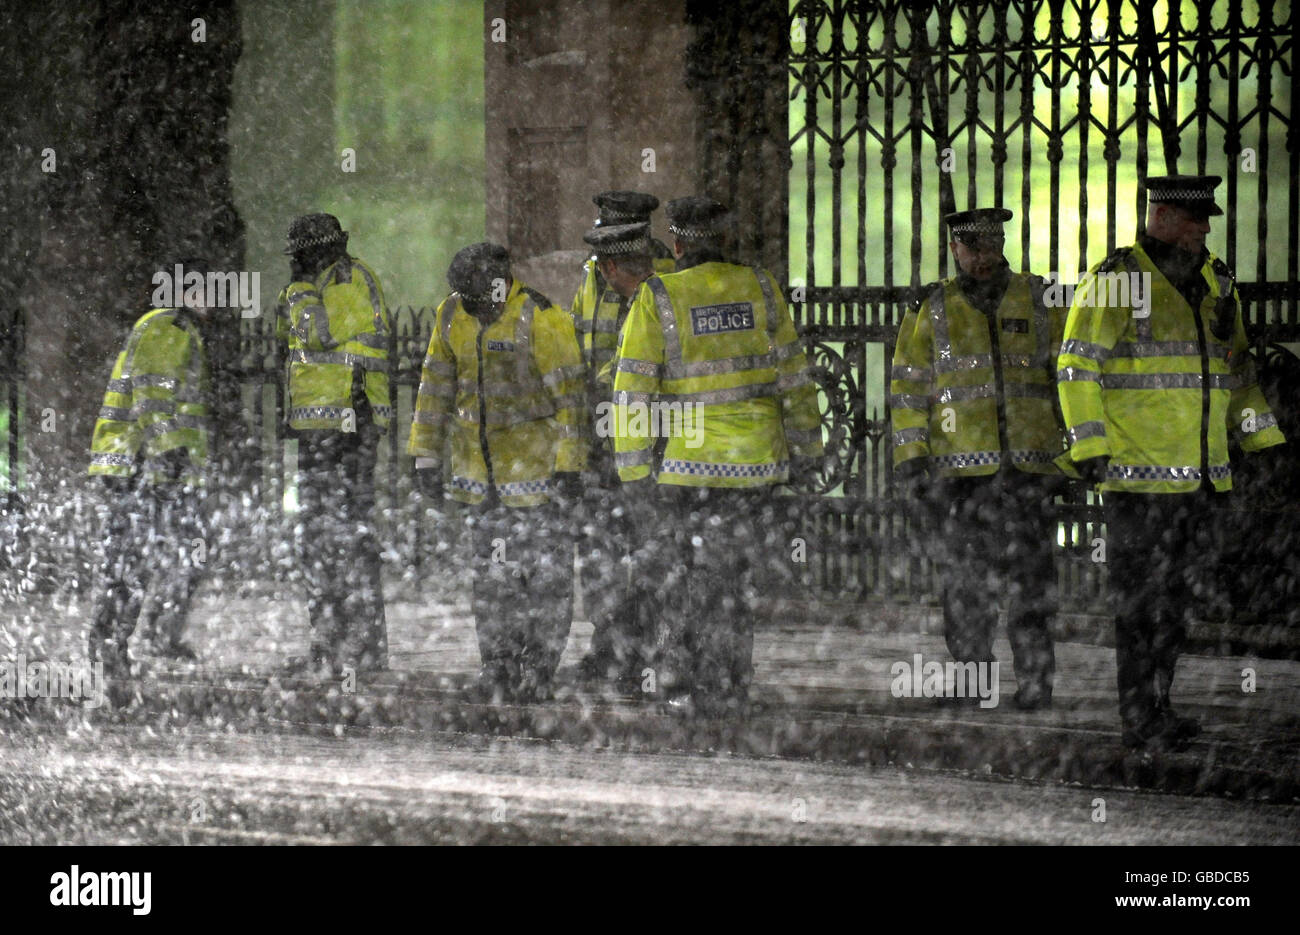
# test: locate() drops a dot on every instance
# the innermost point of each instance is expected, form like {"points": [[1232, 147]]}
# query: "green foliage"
{"points": [[409, 98]]}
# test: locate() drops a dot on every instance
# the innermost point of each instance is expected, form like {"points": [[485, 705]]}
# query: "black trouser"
{"points": [[523, 592], [338, 551], [711, 551], [1162, 553], [154, 553], [994, 540], [618, 641]]}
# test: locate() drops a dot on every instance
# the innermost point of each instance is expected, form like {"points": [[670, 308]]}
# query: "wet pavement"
{"points": [[822, 693], [115, 784]]}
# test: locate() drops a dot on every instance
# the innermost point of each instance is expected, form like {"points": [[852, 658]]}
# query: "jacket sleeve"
{"points": [[1091, 333], [800, 414], [1056, 317], [308, 320], [380, 323], [1250, 420], [436, 397], [581, 300], [911, 383], [116, 438], [636, 381], [156, 375], [559, 362]]}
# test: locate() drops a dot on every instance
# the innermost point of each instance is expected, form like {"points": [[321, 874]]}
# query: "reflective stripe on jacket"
{"points": [[598, 312], [508, 398], [717, 337], [1158, 392], [336, 328], [155, 402], [969, 391]]}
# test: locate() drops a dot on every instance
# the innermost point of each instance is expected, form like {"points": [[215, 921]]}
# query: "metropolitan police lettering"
{"points": [[715, 319], [500, 346]]}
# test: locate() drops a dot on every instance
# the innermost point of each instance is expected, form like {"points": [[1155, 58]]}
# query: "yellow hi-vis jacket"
{"points": [[508, 397], [335, 326], [971, 392], [598, 316], [596, 311], [716, 337], [155, 402], [1158, 393]]}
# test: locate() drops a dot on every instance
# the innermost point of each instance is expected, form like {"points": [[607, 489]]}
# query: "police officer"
{"points": [[623, 255], [1155, 375], [502, 387], [599, 306], [151, 448], [599, 310], [336, 325], [975, 432], [709, 362]]}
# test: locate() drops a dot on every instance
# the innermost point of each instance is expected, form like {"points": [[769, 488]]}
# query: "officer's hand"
{"points": [[429, 482], [1093, 470], [1273, 464], [804, 471], [913, 477], [174, 463], [568, 485], [642, 500], [116, 486]]}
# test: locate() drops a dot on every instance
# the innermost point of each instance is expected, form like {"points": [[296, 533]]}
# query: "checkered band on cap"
{"points": [[1191, 192], [1181, 194], [608, 215], [978, 227], [639, 245], [693, 233], [314, 230], [612, 240], [303, 242], [977, 221]]}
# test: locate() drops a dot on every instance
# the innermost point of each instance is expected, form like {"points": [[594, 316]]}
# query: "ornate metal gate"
{"points": [[1057, 109]]}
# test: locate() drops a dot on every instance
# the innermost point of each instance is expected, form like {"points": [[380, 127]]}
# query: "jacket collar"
{"points": [[340, 271], [502, 308], [1175, 264], [986, 294], [698, 257]]}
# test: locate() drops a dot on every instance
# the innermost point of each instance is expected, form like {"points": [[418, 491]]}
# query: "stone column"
{"points": [[580, 97], [132, 99]]}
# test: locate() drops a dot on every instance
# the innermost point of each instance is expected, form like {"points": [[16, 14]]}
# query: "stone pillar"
{"points": [[580, 97], [133, 106]]}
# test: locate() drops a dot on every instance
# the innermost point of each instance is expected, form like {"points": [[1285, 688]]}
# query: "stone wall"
{"points": [[122, 163], [575, 95]]}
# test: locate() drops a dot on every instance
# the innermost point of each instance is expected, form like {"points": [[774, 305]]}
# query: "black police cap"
{"points": [[1192, 193], [624, 207], [977, 223], [615, 240], [314, 230], [696, 217], [474, 268]]}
